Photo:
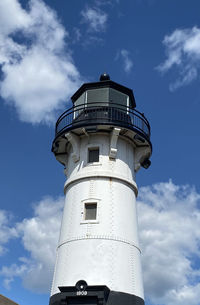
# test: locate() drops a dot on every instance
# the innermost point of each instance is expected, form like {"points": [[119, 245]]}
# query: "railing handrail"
{"points": [[100, 105], [85, 105]]}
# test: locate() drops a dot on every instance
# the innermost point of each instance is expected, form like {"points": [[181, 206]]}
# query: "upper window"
{"points": [[90, 211], [93, 154]]}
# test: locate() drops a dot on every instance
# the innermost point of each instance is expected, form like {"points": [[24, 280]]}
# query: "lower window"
{"points": [[90, 212]]}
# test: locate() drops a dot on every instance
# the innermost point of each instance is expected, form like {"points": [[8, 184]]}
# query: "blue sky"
{"points": [[47, 50]]}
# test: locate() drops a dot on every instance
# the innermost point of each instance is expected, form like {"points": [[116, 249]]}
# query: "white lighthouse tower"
{"points": [[102, 141]]}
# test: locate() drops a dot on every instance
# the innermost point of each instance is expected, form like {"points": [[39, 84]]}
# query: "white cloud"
{"points": [[106, 2], [11, 272], [169, 220], [76, 35], [183, 52], [127, 61], [39, 236], [39, 75], [6, 232], [95, 18], [12, 17], [124, 56]]}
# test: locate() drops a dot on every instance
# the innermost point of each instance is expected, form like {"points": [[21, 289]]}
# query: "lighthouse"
{"points": [[102, 141]]}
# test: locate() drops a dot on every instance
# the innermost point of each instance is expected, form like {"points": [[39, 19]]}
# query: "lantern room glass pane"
{"points": [[100, 97], [79, 105], [118, 98]]}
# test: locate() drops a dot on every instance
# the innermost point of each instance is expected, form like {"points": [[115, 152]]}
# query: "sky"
{"points": [[47, 50]]}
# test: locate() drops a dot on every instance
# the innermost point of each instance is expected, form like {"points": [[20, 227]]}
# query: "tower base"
{"points": [[93, 295]]}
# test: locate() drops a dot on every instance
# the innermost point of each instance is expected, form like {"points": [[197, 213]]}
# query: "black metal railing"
{"points": [[105, 114]]}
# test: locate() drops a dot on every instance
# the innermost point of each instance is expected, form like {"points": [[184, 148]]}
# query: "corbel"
{"points": [[113, 142], [75, 142], [140, 154]]}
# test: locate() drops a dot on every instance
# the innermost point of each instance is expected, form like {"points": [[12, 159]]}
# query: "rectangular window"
{"points": [[93, 155], [91, 211]]}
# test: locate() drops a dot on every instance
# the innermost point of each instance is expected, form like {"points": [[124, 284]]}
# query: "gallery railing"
{"points": [[103, 114]]}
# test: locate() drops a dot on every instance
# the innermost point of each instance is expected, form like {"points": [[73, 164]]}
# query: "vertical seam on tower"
{"points": [[127, 160], [72, 211], [112, 199], [66, 261], [70, 233], [90, 195], [112, 226], [132, 269], [54, 273]]}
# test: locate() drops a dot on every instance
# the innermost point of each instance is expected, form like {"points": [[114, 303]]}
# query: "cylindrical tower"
{"points": [[102, 141]]}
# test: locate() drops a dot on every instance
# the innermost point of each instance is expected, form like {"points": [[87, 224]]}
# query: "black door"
{"points": [[82, 301]]}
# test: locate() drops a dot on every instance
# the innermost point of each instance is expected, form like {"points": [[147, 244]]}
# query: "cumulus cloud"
{"points": [[183, 52], [38, 72], [39, 236], [6, 232], [95, 18], [169, 220], [12, 271], [20, 19], [124, 56]]}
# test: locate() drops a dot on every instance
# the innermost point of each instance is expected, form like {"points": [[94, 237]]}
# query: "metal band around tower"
{"points": [[104, 237], [104, 174]]}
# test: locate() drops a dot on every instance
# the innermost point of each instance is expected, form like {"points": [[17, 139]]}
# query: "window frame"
{"points": [[90, 147], [83, 205]]}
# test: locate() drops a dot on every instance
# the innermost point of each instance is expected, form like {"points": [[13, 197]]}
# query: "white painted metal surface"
{"points": [[105, 250]]}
